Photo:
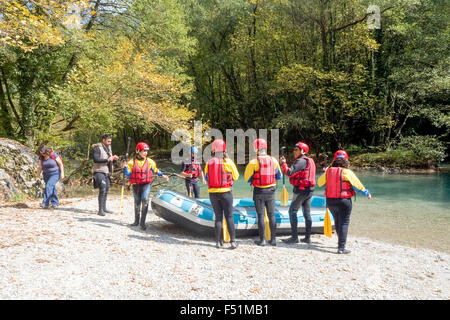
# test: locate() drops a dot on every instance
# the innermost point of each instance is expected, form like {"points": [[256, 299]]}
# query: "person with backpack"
{"points": [[140, 170], [302, 175], [340, 185], [52, 169], [102, 170], [221, 172], [192, 170], [263, 173]]}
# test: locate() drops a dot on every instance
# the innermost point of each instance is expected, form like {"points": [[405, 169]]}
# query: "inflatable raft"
{"points": [[197, 215]]}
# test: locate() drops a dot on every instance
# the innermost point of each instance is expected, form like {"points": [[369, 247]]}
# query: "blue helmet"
{"points": [[194, 150]]}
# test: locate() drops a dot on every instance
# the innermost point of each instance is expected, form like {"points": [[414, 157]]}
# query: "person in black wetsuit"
{"points": [[302, 177], [102, 170]]}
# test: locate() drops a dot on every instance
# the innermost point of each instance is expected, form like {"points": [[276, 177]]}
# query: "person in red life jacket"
{"points": [[221, 172], [302, 175], [140, 171], [191, 170], [263, 173], [341, 184]]}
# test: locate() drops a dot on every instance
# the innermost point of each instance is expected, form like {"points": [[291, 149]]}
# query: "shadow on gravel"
{"points": [[100, 221], [165, 232], [170, 240], [168, 233], [313, 247], [76, 210]]}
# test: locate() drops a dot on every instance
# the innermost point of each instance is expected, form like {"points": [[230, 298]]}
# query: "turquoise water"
{"points": [[407, 209]]}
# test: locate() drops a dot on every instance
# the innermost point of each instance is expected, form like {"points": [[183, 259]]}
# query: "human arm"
{"points": [[156, 171], [249, 171], [183, 173], [277, 168], [127, 168], [203, 176], [298, 165], [206, 172], [96, 154], [61, 167], [229, 166], [350, 176]]}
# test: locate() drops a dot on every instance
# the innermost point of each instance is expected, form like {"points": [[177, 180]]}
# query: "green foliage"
{"points": [[309, 68], [410, 152], [425, 147], [17, 197], [124, 70]]}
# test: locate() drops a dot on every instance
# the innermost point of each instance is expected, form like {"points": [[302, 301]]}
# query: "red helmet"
{"points": [[219, 145], [259, 144], [142, 146], [302, 146], [341, 154]]}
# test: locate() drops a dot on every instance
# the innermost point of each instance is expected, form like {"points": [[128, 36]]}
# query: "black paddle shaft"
{"points": [[282, 154], [325, 161], [126, 160]]}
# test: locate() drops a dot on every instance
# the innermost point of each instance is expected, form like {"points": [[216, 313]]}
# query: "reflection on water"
{"points": [[407, 209]]}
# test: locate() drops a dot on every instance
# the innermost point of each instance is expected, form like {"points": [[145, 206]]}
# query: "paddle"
{"points": [[267, 228], [173, 174], [123, 178], [284, 194], [226, 234], [327, 229]]}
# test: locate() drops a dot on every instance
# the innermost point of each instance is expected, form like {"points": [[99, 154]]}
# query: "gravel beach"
{"points": [[72, 253]]}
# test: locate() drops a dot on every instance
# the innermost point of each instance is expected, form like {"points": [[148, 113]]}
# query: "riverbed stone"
{"points": [[18, 164]]}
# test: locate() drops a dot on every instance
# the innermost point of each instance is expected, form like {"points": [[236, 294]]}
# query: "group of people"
{"points": [[219, 174], [262, 173]]}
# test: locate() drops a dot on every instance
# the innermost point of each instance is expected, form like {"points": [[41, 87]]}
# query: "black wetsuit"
{"points": [[301, 198], [341, 210], [222, 204]]}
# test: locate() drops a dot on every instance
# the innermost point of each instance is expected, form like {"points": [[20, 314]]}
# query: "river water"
{"points": [[407, 209]]}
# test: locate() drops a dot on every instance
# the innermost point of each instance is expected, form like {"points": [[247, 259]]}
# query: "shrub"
{"points": [[425, 147], [410, 152]]}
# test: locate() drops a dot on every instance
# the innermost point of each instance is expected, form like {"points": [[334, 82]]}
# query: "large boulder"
{"points": [[7, 188], [18, 165]]}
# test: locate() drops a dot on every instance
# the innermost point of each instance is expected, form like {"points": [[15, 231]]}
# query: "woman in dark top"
{"points": [[52, 169]]}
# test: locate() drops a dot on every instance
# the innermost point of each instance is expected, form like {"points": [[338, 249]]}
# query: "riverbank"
{"points": [[72, 253]]}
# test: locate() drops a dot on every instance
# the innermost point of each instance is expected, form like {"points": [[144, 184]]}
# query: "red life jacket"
{"points": [[217, 176], [306, 177], [337, 187], [266, 174], [141, 175], [193, 168]]}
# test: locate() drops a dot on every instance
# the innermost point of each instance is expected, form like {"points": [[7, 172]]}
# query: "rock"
{"points": [[18, 165], [7, 188]]}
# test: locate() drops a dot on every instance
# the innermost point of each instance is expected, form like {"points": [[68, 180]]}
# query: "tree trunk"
{"points": [[5, 118]]}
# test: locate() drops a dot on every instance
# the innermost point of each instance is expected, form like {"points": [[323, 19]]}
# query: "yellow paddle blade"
{"points": [[226, 234], [327, 230], [267, 226], [284, 197]]}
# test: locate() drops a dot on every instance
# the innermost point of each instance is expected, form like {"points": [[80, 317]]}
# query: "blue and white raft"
{"points": [[197, 215]]}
